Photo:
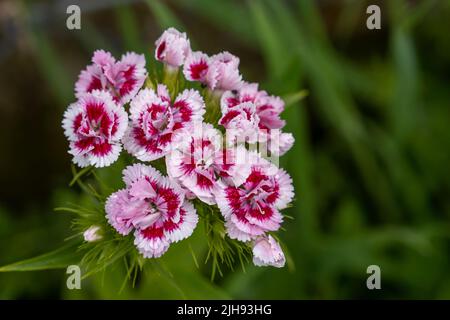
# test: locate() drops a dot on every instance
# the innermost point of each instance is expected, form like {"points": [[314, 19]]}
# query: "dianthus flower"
{"points": [[267, 252], [154, 206], [154, 120], [252, 208], [172, 48], [122, 79], [94, 126]]}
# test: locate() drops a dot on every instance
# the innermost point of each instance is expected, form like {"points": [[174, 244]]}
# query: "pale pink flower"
{"points": [[94, 126], [120, 211], [154, 206], [267, 252], [154, 240], [154, 119], [92, 234], [172, 48], [277, 142], [268, 107], [241, 122], [223, 72], [122, 79], [252, 208], [198, 161]]}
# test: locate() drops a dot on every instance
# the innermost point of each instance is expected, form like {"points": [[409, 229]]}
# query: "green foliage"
{"points": [[57, 259], [370, 162]]}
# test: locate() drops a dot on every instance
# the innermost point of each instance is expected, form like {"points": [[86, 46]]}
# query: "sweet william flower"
{"points": [[268, 109], [92, 234], [252, 208], [223, 72], [155, 210], [154, 119], [172, 48], [198, 161], [241, 123], [122, 79], [196, 67], [94, 126], [154, 207], [267, 252]]}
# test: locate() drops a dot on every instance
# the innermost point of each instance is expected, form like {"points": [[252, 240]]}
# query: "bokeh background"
{"points": [[370, 164]]}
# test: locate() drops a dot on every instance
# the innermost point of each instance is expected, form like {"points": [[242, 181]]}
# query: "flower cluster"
{"points": [[204, 137]]}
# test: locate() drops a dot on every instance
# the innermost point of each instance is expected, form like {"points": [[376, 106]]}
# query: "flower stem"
{"points": [[170, 79]]}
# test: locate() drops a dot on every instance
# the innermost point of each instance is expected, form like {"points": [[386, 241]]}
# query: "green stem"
{"points": [[212, 102], [170, 79]]}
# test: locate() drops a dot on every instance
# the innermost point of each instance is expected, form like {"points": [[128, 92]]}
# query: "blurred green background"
{"points": [[370, 164]]}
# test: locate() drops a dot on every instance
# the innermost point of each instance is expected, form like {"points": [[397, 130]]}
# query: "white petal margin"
{"points": [[150, 248], [186, 227], [286, 189], [137, 171], [195, 102], [140, 73]]}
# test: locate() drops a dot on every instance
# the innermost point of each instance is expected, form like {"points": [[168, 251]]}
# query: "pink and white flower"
{"points": [[94, 126], [223, 72], [268, 109], [267, 252], [196, 67], [154, 119], [241, 122], [252, 209], [172, 48], [198, 161], [277, 142], [122, 79], [92, 234], [154, 206]]}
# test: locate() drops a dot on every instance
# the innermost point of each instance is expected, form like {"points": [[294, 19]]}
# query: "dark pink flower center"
{"points": [[255, 197], [160, 50], [198, 70]]}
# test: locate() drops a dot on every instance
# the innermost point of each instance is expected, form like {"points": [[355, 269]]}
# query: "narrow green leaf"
{"points": [[274, 52], [57, 259], [79, 174], [128, 28], [164, 15], [293, 98]]}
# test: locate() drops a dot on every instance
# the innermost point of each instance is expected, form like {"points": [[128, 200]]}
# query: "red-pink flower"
{"points": [[198, 161], [154, 206], [267, 252], [94, 126], [172, 48], [122, 79], [154, 119], [252, 209], [219, 72], [196, 67]]}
